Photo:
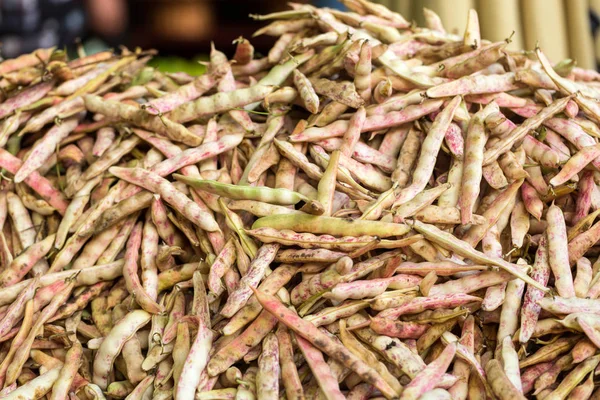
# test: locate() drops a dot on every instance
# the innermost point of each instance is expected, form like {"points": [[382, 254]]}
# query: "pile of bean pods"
{"points": [[370, 210]]}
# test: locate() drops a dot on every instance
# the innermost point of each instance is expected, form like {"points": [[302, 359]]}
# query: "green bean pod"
{"points": [[265, 194], [331, 225]]}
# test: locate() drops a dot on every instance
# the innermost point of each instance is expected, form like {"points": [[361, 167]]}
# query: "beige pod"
{"points": [[579, 32], [498, 19], [544, 22], [454, 13]]}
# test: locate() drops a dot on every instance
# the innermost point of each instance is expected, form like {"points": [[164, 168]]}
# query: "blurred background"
{"points": [[181, 30], [563, 28]]}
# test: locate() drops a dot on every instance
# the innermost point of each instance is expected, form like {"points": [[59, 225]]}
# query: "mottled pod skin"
{"points": [[314, 214]]}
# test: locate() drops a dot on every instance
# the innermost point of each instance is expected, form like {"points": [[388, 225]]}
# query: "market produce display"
{"points": [[370, 210]]}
